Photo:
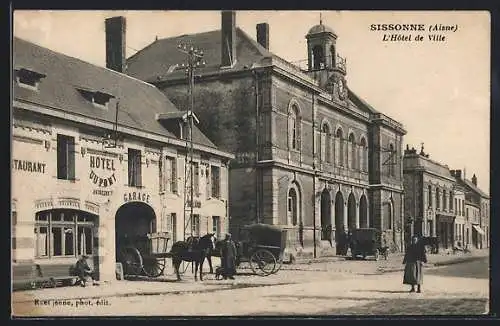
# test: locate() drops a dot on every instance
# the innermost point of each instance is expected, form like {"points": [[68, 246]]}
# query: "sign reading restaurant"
{"points": [[102, 174], [28, 166]]}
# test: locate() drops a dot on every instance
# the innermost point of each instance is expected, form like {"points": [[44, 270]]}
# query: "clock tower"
{"points": [[324, 64]]}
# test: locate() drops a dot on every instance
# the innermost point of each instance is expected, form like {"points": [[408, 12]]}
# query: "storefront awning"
{"points": [[478, 229]]}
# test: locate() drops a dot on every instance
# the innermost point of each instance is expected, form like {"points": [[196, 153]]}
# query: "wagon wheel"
{"points": [[132, 262], [153, 267], [279, 263], [262, 262]]}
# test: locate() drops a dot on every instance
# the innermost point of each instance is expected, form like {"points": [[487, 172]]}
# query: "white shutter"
{"points": [[223, 182]]}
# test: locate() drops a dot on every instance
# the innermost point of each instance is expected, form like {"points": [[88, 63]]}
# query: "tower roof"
{"points": [[320, 28]]}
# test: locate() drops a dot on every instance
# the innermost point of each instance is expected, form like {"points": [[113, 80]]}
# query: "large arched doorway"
{"points": [[351, 212], [133, 221], [339, 215], [363, 212], [325, 214]]}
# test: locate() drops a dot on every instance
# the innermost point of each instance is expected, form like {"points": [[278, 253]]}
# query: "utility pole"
{"points": [[194, 60]]}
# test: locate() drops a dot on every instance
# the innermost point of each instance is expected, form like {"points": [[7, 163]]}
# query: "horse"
{"points": [[194, 249]]}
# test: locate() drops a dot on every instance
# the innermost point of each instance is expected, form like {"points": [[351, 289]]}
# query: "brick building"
{"points": [[477, 211], [309, 151], [75, 191], [429, 193]]}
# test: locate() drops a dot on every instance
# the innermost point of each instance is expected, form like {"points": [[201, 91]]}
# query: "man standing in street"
{"points": [[228, 257]]}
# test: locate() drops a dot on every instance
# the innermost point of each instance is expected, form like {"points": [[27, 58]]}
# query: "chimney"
{"points": [[228, 38], [474, 180], [115, 43], [263, 35], [458, 174]]}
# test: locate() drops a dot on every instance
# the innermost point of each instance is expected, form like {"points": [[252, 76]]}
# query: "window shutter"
{"points": [[161, 174], [223, 182], [209, 175], [173, 167], [139, 169], [71, 158]]}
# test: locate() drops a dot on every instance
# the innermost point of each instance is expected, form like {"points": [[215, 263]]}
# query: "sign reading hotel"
{"points": [[102, 175]]}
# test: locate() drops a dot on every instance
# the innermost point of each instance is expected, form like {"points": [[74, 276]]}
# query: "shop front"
{"points": [[477, 235], [445, 230]]}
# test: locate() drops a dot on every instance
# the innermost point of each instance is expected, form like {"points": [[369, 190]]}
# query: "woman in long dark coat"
{"points": [[228, 257], [414, 258]]}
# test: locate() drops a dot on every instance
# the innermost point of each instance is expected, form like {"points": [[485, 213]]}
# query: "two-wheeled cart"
{"points": [[143, 255]]}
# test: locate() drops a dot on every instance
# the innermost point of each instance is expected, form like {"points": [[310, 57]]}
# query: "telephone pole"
{"points": [[194, 60]]}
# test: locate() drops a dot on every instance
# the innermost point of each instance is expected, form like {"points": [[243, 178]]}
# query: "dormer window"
{"points": [[177, 122], [28, 78], [98, 98]]}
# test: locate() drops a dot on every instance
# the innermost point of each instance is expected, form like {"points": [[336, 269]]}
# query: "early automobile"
{"points": [[367, 242]]}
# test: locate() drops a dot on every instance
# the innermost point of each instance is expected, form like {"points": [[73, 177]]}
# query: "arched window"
{"points": [[445, 201], [325, 143], [363, 157], [318, 57], [294, 127], [352, 142], [332, 56], [438, 193], [340, 141], [451, 200], [429, 198]]}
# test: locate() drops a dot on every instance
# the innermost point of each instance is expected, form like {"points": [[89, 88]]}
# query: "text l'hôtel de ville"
{"points": [[414, 32]]}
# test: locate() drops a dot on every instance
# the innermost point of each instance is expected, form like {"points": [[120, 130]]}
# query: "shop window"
{"points": [[134, 168], [215, 180], [65, 157], [63, 233]]}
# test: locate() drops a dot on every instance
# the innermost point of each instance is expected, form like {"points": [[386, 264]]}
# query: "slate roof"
{"points": [[65, 75], [154, 60], [472, 187]]}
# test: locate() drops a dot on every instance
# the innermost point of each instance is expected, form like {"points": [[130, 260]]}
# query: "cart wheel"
{"points": [[262, 262], [377, 255], [153, 267], [279, 263], [131, 260]]}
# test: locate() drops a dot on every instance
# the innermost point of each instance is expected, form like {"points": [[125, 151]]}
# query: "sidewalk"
{"points": [[394, 263]]}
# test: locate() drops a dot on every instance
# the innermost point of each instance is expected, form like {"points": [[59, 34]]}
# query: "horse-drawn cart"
{"points": [[143, 255], [262, 246]]}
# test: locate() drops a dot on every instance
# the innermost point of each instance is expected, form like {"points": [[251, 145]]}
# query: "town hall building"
{"points": [[310, 153]]}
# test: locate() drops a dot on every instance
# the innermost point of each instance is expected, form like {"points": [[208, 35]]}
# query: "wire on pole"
{"points": [[194, 60]]}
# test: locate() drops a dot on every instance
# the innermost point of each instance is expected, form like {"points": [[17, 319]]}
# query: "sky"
{"points": [[439, 91]]}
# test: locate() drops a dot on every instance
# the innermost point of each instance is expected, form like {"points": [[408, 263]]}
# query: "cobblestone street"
{"points": [[329, 287]]}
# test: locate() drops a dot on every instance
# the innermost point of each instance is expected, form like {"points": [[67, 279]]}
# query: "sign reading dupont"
{"points": [[102, 174]]}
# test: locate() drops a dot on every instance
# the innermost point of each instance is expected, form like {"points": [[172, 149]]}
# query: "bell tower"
{"points": [[324, 64]]}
